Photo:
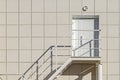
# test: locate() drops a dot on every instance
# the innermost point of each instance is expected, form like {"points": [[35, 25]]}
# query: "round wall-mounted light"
{"points": [[85, 8]]}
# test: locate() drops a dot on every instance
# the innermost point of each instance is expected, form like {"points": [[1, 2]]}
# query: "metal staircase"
{"points": [[49, 64]]}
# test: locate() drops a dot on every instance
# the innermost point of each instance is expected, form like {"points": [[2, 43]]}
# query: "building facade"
{"points": [[29, 27]]}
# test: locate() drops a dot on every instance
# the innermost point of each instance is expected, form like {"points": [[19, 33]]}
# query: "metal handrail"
{"points": [[38, 68], [89, 42], [82, 45], [36, 62], [50, 48], [86, 53]]}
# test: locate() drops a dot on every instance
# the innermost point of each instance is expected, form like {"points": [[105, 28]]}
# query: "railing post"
{"points": [[37, 70], [90, 48], [51, 59], [80, 40], [73, 53], [56, 56], [23, 77]]}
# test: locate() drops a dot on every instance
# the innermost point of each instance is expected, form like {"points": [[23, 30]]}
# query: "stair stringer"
{"points": [[64, 66]]}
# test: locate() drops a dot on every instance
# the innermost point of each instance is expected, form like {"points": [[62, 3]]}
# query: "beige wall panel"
{"points": [[12, 5], [2, 68], [50, 5], [37, 18], [25, 56], [75, 6], [98, 7], [2, 30], [37, 6], [12, 55], [3, 5], [113, 56], [113, 68], [113, 6], [37, 30], [12, 30], [2, 18], [25, 43], [63, 5], [25, 5], [50, 30], [114, 77], [2, 55], [113, 43], [63, 18], [12, 68]]}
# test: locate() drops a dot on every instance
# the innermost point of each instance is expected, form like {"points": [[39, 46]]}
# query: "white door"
{"points": [[84, 33]]}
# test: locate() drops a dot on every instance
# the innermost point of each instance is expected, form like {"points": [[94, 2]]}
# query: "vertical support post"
{"points": [[80, 77], [23, 77], [56, 57], [51, 59], [80, 40], [90, 48], [99, 72], [37, 70], [74, 53]]}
